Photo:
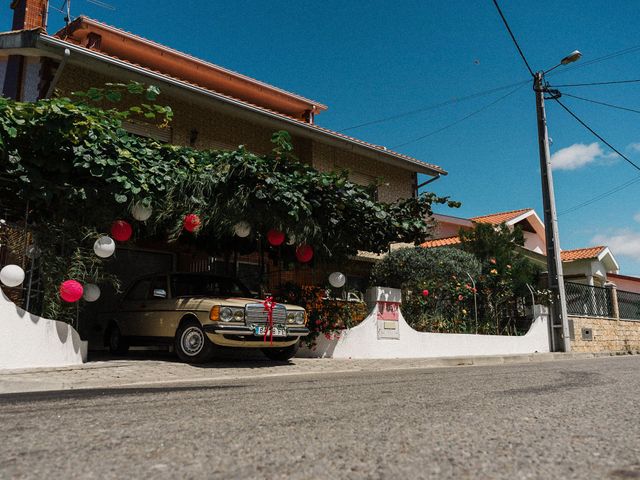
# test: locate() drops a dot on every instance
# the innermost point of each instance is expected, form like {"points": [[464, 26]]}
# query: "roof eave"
{"points": [[46, 45]]}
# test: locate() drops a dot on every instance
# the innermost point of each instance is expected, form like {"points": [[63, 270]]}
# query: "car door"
{"points": [[133, 308], [159, 311]]}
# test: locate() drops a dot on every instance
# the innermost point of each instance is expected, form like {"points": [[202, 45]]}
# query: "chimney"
{"points": [[29, 14]]}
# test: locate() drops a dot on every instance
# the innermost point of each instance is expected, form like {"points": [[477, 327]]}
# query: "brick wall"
{"points": [[219, 130], [607, 335]]}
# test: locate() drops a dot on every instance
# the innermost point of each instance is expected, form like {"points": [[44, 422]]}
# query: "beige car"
{"points": [[196, 311]]}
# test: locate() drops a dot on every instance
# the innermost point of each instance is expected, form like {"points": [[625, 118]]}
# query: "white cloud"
{"points": [[634, 146], [622, 242], [578, 155]]}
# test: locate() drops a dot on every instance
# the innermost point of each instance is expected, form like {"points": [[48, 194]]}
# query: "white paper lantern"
{"points": [[91, 292], [337, 280], [140, 212], [104, 247], [242, 229], [11, 275]]}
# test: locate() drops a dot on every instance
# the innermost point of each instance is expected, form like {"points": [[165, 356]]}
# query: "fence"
{"points": [[629, 305], [588, 300], [592, 301]]}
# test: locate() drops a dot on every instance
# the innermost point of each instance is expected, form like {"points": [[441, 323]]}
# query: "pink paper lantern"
{"points": [[192, 222], [275, 237], [304, 253], [425, 293], [121, 230], [71, 291]]}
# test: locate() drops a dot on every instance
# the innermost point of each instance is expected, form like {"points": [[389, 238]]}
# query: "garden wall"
{"points": [[28, 341], [601, 334], [367, 340]]}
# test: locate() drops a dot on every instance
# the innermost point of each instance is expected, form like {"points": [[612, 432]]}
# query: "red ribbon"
{"points": [[269, 306]]}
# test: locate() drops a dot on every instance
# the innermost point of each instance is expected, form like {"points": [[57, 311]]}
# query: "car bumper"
{"points": [[244, 330]]}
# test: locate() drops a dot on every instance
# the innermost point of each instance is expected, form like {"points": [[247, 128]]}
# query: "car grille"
{"points": [[255, 313]]}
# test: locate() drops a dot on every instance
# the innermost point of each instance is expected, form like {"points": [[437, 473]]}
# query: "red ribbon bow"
{"points": [[269, 306]]}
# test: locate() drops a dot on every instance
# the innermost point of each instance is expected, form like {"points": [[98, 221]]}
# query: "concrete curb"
{"points": [[134, 374]]}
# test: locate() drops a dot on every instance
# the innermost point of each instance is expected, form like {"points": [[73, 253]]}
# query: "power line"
{"points": [[601, 196], [564, 94], [596, 83], [598, 59], [595, 133], [506, 24], [434, 106], [475, 112]]}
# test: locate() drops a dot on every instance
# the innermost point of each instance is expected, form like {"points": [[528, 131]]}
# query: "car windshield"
{"points": [[207, 285]]}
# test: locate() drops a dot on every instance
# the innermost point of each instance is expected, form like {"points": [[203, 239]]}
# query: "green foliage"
{"points": [[505, 271], [324, 316], [72, 163], [437, 294]]}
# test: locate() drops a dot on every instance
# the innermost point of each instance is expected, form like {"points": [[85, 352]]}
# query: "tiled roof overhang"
{"points": [[34, 42]]}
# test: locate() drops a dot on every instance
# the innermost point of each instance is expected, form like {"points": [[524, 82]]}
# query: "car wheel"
{"points": [[192, 344], [282, 354], [117, 344]]}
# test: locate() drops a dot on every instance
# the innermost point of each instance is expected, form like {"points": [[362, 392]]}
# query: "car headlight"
{"points": [[238, 315], [299, 317], [226, 314], [291, 317]]}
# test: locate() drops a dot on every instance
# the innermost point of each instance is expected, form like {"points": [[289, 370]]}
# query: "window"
{"points": [[198, 285], [140, 290]]}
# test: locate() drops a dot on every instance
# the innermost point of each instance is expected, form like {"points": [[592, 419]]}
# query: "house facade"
{"points": [[213, 108]]}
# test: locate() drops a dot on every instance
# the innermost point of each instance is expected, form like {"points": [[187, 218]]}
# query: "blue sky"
{"points": [[374, 59]]}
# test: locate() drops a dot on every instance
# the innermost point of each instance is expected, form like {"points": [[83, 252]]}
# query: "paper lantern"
{"points": [[304, 253], [425, 293], [11, 275], [242, 229], [91, 292], [275, 237], [71, 291], [337, 280], [192, 222], [121, 230], [104, 247], [140, 212]]}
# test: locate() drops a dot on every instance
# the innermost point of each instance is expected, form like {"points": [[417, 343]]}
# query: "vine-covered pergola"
{"points": [[76, 168]]}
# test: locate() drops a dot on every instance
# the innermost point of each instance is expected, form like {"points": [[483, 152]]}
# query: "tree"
{"points": [[505, 271]]}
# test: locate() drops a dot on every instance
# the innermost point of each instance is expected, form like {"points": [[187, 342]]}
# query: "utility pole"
{"points": [[559, 319]]}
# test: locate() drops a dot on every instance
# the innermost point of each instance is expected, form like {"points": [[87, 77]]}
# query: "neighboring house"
{"points": [[593, 265], [213, 106]]}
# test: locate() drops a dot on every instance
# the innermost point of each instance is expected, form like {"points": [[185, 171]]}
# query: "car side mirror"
{"points": [[159, 293]]}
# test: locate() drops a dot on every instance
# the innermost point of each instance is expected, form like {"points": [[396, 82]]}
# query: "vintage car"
{"points": [[193, 312]]}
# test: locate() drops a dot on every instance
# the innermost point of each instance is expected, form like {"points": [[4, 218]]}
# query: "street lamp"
{"points": [[559, 319]]}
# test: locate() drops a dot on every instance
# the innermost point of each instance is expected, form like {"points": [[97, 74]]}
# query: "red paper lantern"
{"points": [[192, 222], [121, 230], [425, 293], [304, 253], [71, 291], [275, 237]]}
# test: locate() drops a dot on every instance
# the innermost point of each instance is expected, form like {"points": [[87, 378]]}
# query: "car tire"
{"points": [[117, 343], [282, 354], [192, 344]]}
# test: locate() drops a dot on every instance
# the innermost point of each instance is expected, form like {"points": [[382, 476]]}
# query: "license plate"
{"points": [[277, 331]]}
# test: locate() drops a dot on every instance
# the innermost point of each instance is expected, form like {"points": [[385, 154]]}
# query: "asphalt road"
{"points": [[568, 419]]}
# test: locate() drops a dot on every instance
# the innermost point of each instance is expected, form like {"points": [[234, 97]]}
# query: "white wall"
{"points": [[533, 242], [362, 342], [28, 341]]}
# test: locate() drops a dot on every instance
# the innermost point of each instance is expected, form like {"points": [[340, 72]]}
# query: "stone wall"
{"points": [[607, 335]]}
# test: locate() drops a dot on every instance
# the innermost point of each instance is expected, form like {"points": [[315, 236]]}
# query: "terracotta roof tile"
{"points": [[379, 148], [441, 242], [498, 218], [581, 253]]}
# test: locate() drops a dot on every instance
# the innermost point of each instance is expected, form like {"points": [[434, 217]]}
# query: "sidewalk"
{"points": [[149, 372]]}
